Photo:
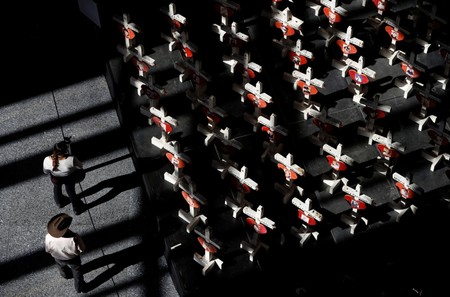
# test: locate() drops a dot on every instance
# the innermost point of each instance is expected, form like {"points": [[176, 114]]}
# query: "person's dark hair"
{"points": [[62, 147], [59, 149]]}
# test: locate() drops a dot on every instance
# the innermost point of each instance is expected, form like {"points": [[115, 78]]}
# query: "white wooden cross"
{"points": [[161, 113], [357, 202], [407, 191], [244, 60], [274, 131], [338, 162], [377, 21], [308, 215], [298, 77], [141, 61], [259, 224], [272, 124], [236, 204], [412, 70], [241, 176], [359, 67], [177, 22], [232, 31], [298, 55], [178, 160], [190, 187], [259, 99], [180, 37], [291, 173], [208, 260], [308, 86], [407, 188], [310, 218], [334, 11], [346, 42], [173, 15], [258, 216], [358, 73], [194, 199], [397, 34], [211, 110], [146, 86], [387, 147], [388, 141], [257, 91], [166, 124], [234, 37], [356, 194], [129, 31], [286, 22], [337, 155], [381, 6], [288, 165], [182, 43]]}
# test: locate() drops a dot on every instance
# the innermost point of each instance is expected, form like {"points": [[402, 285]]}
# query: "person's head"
{"points": [[58, 225], [60, 149]]}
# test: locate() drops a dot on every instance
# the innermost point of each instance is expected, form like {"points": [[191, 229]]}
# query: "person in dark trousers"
{"points": [[65, 246], [64, 169]]}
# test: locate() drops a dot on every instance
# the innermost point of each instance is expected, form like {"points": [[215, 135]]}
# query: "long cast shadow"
{"points": [[118, 184], [116, 262], [121, 260]]}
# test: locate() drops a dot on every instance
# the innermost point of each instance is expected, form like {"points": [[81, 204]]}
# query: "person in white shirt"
{"points": [[65, 246], [63, 169]]}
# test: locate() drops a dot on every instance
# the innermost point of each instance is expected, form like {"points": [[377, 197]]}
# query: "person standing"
{"points": [[65, 246], [63, 169]]}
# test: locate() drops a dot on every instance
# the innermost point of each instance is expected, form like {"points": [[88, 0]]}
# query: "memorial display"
{"points": [[331, 118]]}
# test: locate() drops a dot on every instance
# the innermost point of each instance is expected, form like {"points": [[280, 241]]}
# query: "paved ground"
{"points": [[53, 86], [124, 253]]}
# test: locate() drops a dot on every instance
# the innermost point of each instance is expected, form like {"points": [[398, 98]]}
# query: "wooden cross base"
{"points": [[208, 261], [406, 85], [404, 211], [355, 221], [175, 178], [192, 221], [304, 233], [287, 191], [253, 248], [237, 205]]}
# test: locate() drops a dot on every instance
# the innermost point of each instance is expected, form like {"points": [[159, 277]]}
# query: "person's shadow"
{"points": [[120, 260], [118, 184]]}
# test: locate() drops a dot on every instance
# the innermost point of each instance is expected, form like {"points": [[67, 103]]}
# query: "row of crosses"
{"points": [[250, 89]]}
